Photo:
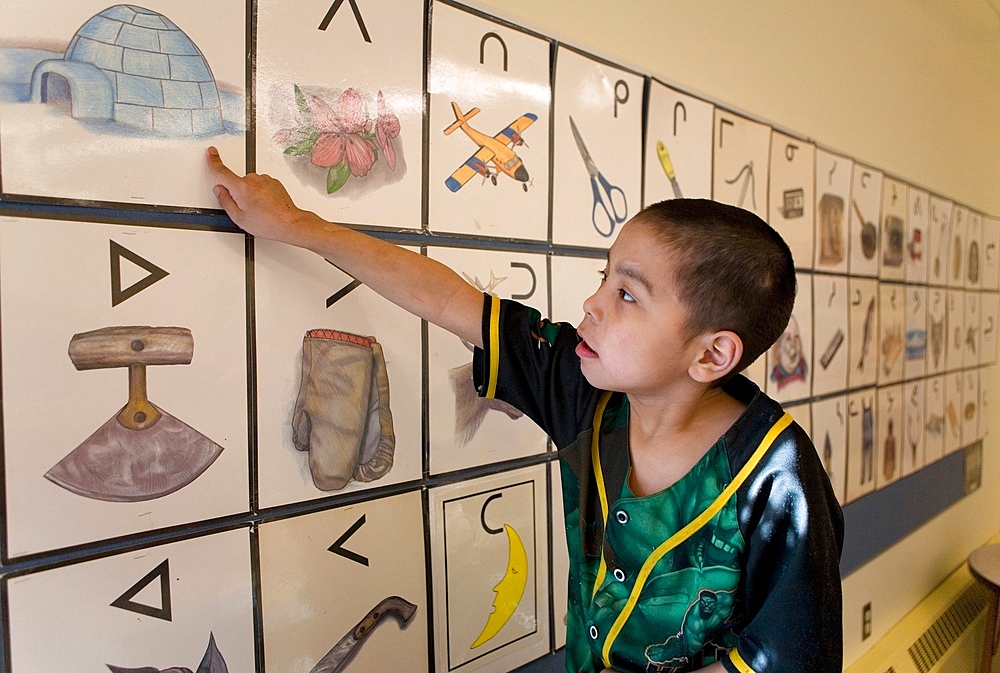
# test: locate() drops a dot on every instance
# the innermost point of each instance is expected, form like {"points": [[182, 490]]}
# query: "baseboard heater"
{"points": [[942, 634]]}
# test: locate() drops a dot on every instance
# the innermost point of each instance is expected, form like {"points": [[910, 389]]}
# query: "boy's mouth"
{"points": [[584, 351]]}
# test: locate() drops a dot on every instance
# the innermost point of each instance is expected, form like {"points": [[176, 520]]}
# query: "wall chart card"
{"points": [[328, 576], [103, 471], [802, 413], [915, 363], [163, 607], [893, 243], [830, 347], [958, 246], [934, 423], [834, 175], [937, 329], [465, 429], [991, 253], [954, 389], [917, 229], [597, 165], [891, 344], [974, 254], [789, 360], [955, 337], [560, 558], [128, 98], [488, 176], [742, 150], [984, 403], [864, 331], [757, 372], [860, 443], [939, 240], [791, 198], [972, 338], [574, 280], [830, 437], [865, 207], [339, 381], [914, 434], [678, 145], [889, 440], [352, 151], [989, 312], [970, 407], [489, 562]]}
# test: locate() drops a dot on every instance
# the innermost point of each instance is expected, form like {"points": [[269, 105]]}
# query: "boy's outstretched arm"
{"points": [[259, 205]]}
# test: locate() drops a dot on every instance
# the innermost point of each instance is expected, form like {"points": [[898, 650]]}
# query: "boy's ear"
{"points": [[719, 354]]}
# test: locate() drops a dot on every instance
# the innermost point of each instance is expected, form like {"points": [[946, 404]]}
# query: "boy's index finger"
{"points": [[222, 172]]}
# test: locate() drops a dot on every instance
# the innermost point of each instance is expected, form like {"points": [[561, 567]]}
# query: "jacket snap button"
{"points": [[593, 632], [619, 574], [622, 517]]}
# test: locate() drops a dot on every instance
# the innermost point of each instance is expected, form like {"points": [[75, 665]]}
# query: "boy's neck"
{"points": [[682, 411], [668, 436]]}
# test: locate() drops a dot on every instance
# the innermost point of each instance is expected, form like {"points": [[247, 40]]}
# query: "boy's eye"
{"points": [[626, 296]]}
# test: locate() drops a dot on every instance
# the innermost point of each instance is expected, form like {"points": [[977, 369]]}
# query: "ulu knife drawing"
{"points": [[347, 648], [142, 452]]}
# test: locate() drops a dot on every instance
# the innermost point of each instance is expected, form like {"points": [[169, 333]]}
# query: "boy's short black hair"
{"points": [[731, 269]]}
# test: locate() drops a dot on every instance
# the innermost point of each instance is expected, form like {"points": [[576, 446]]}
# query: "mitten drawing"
{"points": [[342, 416]]}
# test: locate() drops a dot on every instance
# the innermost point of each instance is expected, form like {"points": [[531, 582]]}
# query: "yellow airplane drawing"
{"points": [[495, 155]]}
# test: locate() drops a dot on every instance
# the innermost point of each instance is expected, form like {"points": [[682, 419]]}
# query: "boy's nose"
{"points": [[590, 306]]}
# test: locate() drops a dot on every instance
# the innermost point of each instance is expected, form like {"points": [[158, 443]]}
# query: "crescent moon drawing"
{"points": [[509, 589]]}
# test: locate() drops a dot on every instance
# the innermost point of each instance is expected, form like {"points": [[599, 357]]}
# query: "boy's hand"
{"points": [[258, 204], [416, 283]]}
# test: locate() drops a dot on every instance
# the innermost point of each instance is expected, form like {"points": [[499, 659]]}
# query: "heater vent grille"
{"points": [[935, 641]]}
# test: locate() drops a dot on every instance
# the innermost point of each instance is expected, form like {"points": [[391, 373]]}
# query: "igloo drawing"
{"points": [[133, 66]]}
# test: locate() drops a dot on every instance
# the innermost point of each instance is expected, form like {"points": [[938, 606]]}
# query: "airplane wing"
{"points": [[512, 134], [475, 165]]}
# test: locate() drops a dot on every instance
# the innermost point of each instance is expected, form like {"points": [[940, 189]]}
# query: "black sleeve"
{"points": [[794, 531], [532, 364]]}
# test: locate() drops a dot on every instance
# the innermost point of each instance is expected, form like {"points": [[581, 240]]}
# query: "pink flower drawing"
{"points": [[341, 138], [386, 128], [341, 132]]}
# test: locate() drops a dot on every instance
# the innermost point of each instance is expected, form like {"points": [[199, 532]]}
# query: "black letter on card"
{"points": [[679, 106], [482, 515], [722, 124], [534, 280], [342, 292], [357, 15], [482, 48], [161, 572], [620, 97], [118, 295], [338, 546]]}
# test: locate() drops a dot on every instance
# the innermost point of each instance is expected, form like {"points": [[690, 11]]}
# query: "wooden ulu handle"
{"points": [[124, 346]]}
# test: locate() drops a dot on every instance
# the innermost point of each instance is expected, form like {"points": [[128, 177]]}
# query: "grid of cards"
{"points": [[227, 451]]}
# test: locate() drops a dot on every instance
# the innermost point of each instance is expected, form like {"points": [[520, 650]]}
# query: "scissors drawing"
{"points": [[610, 191]]}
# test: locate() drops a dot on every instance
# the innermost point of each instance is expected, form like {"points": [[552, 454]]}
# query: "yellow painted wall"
{"points": [[909, 86]]}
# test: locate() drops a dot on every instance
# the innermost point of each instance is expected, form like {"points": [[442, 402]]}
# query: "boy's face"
{"points": [[632, 332]]}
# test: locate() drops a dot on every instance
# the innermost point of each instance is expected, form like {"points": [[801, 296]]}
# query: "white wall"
{"points": [[909, 86]]}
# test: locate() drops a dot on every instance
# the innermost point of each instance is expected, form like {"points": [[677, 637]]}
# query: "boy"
{"points": [[702, 529]]}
